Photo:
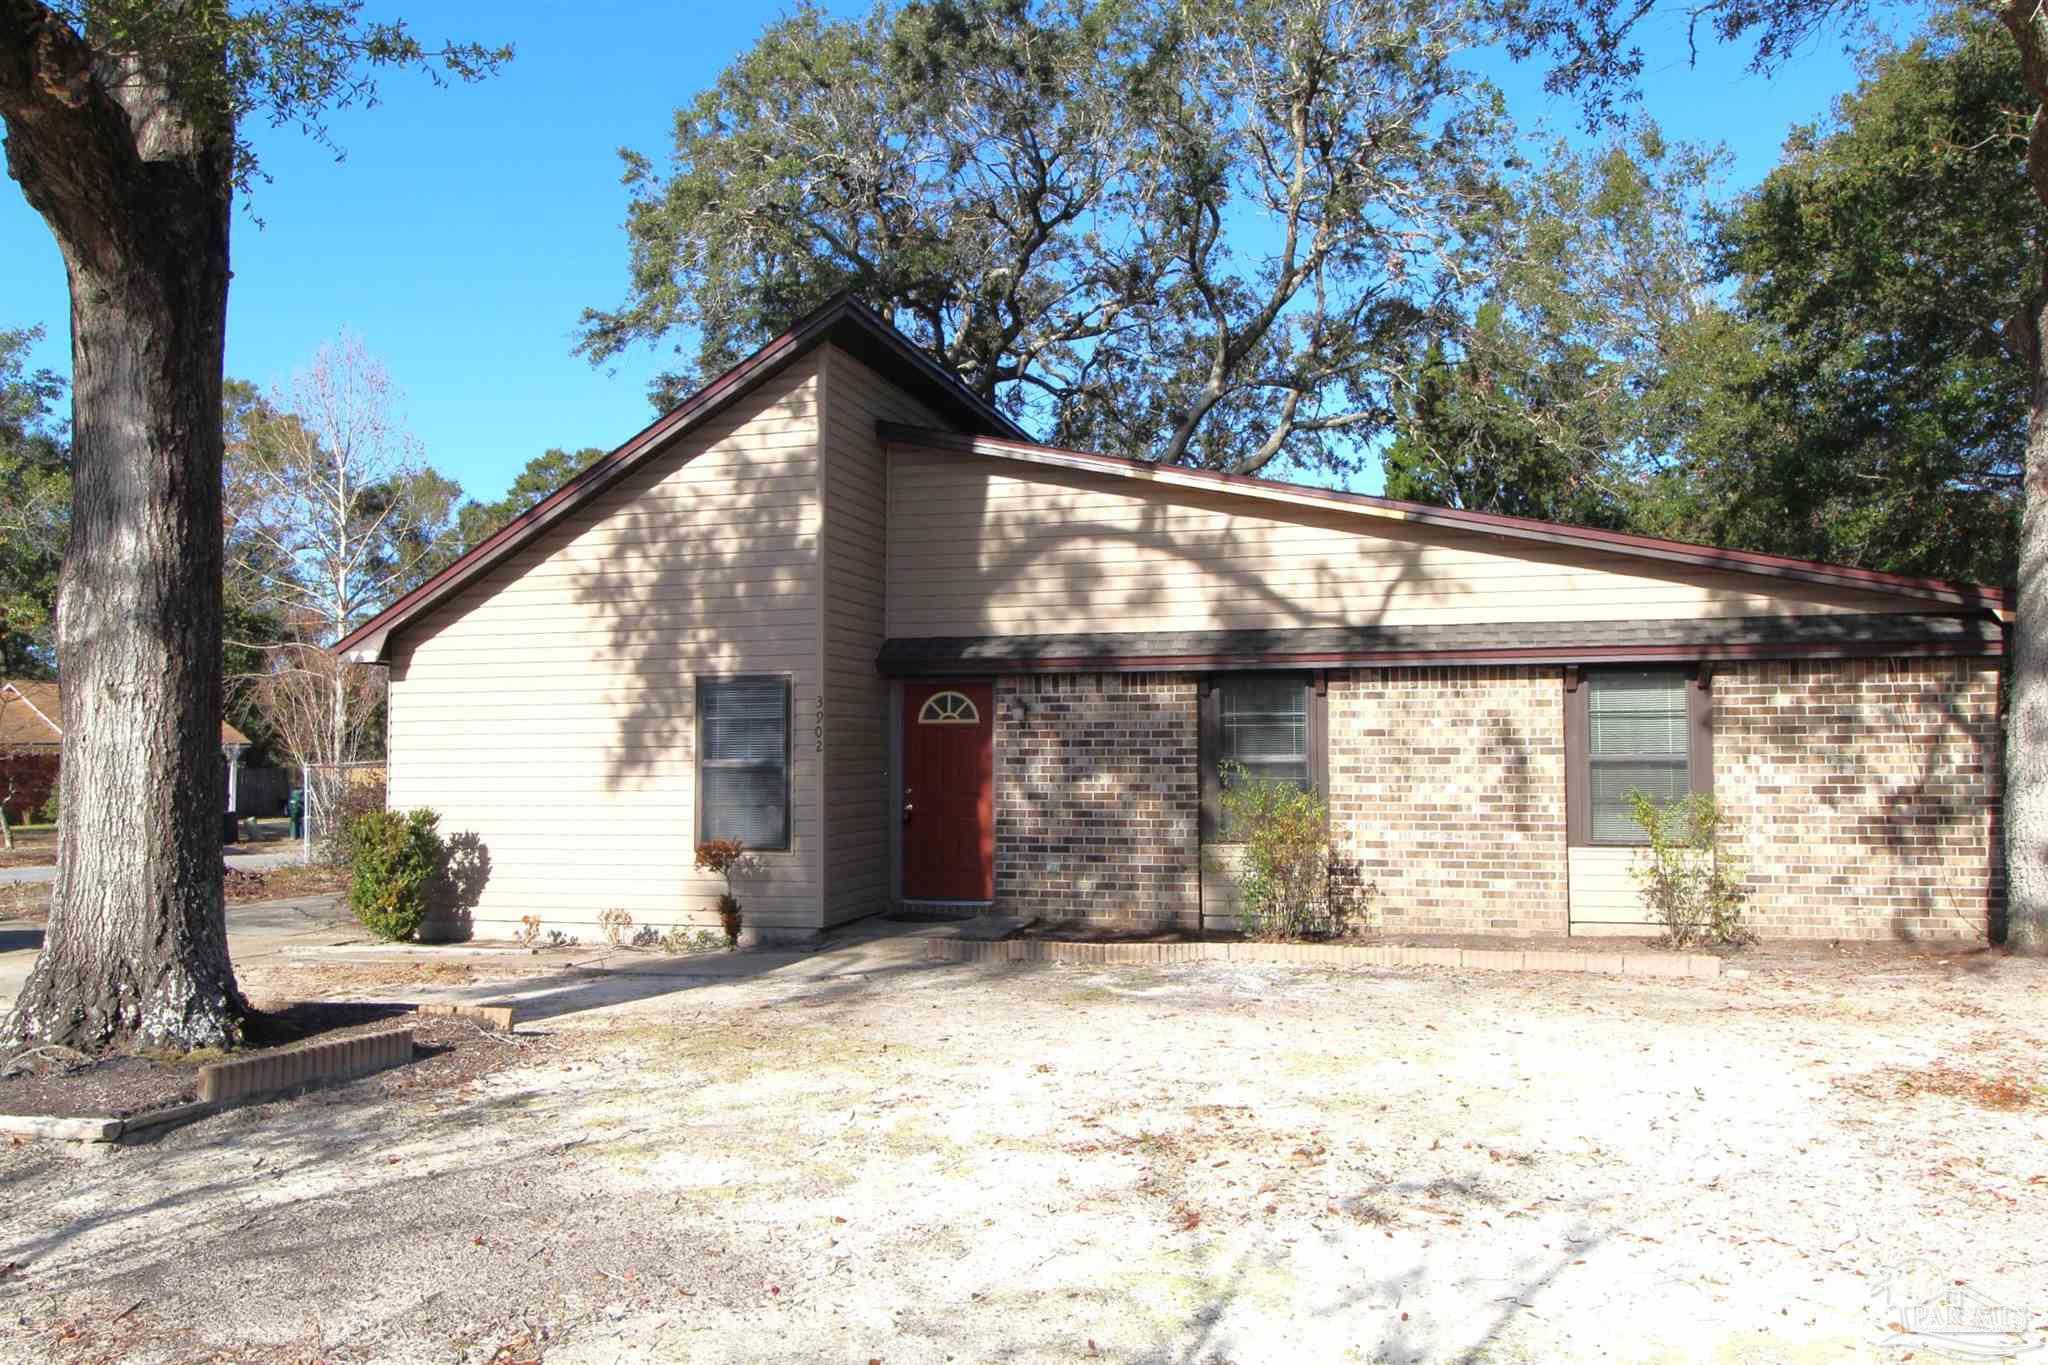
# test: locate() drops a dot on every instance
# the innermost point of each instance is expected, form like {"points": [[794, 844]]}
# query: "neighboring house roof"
{"points": [[33, 713], [1529, 642], [29, 714], [843, 320], [1969, 595]]}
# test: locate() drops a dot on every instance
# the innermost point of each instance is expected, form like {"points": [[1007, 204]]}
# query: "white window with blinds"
{"points": [[1263, 728], [1637, 739], [743, 761], [1256, 726]]}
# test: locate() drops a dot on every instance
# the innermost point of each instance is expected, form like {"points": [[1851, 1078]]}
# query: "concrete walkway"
{"points": [[554, 982], [256, 934], [319, 931], [236, 856]]}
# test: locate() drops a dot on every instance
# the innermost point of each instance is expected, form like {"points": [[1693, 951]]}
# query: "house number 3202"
{"points": [[818, 728]]}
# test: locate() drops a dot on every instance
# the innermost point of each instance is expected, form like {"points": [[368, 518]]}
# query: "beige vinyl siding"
{"points": [[984, 546], [857, 804], [550, 707], [1604, 897]]}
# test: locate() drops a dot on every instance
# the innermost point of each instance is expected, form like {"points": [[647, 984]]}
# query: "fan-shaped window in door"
{"points": [[948, 708]]}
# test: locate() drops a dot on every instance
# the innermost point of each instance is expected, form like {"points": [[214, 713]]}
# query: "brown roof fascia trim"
{"points": [[1492, 523], [607, 471], [1422, 658]]}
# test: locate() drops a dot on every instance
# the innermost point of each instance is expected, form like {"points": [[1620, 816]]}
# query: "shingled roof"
{"points": [[1533, 642]]}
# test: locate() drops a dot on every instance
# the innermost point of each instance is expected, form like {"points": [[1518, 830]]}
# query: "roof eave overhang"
{"points": [[1968, 595], [1424, 658]]}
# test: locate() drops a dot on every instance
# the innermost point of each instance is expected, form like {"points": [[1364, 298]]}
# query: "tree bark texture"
{"points": [[139, 202], [2026, 761]]}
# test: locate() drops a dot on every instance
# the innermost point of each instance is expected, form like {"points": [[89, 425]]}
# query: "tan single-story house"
{"points": [[837, 607], [32, 738]]}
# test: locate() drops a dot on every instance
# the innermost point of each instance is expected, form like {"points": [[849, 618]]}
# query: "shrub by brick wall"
{"points": [[1098, 798], [1447, 796], [1865, 795]]}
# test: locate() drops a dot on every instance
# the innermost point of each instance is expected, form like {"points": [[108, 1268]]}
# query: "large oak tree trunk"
{"points": [[140, 206], [2026, 762]]}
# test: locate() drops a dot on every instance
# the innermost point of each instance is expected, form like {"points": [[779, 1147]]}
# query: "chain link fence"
{"points": [[335, 793]]}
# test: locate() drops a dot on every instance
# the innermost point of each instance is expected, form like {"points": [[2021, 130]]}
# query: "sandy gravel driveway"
{"points": [[913, 1162]]}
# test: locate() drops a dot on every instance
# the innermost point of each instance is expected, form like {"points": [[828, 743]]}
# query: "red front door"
{"points": [[949, 816]]}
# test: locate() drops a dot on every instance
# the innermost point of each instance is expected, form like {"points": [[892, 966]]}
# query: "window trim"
{"points": [[1578, 782], [1209, 742], [788, 683]]}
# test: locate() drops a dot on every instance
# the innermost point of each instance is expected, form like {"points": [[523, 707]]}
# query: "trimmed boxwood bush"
{"points": [[393, 858]]}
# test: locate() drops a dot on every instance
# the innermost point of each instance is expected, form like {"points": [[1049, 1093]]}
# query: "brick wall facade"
{"points": [[1447, 796], [1865, 795], [1862, 796], [1098, 798]]}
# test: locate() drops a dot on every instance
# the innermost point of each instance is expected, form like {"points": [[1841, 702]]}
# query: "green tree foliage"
{"points": [[1587, 351], [1882, 262], [35, 507], [935, 159], [476, 522], [1825, 367], [1203, 232]]}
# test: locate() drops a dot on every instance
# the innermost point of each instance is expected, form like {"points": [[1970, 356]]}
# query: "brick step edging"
{"points": [[1324, 955], [224, 1085], [315, 1064]]}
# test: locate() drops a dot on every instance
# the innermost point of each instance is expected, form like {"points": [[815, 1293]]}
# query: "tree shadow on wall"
{"points": [[457, 887]]}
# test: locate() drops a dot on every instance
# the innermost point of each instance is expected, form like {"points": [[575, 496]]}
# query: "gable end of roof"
{"points": [[843, 320]]}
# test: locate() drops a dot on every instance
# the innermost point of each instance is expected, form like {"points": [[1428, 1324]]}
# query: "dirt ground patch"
{"points": [[58, 1083], [908, 1161], [283, 883]]}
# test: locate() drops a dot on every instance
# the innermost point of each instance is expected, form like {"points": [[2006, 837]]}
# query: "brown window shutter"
{"points": [[1578, 798], [1699, 728], [1209, 742]]}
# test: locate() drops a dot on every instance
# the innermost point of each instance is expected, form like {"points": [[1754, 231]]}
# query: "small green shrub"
{"points": [[1690, 882], [46, 814], [1283, 882], [392, 858], [683, 939]]}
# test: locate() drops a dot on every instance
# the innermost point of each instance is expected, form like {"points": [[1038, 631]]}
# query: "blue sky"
{"points": [[467, 227]]}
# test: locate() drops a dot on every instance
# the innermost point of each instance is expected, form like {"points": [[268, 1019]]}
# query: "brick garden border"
{"points": [[239, 1081], [242, 1079], [1696, 965]]}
